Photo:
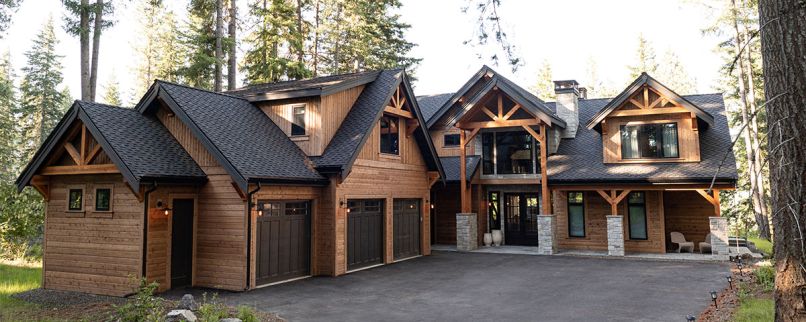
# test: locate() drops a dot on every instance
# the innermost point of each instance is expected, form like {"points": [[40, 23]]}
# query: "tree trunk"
{"points": [[96, 47], [233, 25], [761, 221], [84, 40], [219, 52], [783, 46], [315, 66], [301, 35]]}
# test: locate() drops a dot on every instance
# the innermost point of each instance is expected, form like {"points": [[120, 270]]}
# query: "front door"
{"points": [[182, 243], [520, 212]]}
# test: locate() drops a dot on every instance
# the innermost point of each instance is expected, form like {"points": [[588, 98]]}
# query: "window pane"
{"points": [[389, 135], [575, 197], [637, 222], [649, 141], [75, 199], [487, 157], [296, 208], [102, 197], [451, 140], [298, 124], [514, 153], [576, 220], [670, 141]]}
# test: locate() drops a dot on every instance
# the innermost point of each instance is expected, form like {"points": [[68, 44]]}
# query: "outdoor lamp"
{"points": [[713, 298], [740, 266], [260, 209], [690, 318], [165, 209], [730, 280]]}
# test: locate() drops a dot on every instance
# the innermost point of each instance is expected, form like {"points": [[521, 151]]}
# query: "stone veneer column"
{"points": [[719, 235], [466, 232], [615, 235], [546, 235]]}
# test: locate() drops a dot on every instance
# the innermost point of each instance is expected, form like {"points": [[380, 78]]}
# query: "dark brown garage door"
{"points": [[407, 228], [364, 233], [283, 240]]}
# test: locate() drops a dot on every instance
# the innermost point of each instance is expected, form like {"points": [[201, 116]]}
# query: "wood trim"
{"points": [[544, 177], [613, 199], [498, 123], [463, 172], [398, 112], [489, 113], [657, 110], [671, 187], [713, 200], [92, 154], [239, 191], [78, 169], [512, 111], [111, 187], [74, 154], [472, 135]]}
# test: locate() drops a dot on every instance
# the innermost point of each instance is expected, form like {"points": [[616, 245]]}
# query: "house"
{"points": [[325, 176], [236, 190], [612, 174]]}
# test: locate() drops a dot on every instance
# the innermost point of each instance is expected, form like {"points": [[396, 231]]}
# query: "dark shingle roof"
{"points": [[452, 166], [304, 87], [430, 104], [580, 159], [239, 134]]}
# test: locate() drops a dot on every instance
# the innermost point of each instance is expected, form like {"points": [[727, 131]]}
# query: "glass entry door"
{"points": [[520, 213]]}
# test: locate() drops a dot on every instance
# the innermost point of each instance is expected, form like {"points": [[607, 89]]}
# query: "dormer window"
{"points": [[298, 120], [390, 136], [649, 141]]}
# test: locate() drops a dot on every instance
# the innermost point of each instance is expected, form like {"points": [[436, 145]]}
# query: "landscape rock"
{"points": [[188, 303], [230, 320], [180, 315]]}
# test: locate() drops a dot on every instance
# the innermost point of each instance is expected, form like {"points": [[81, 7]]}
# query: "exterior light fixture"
{"points": [[259, 208], [730, 280], [691, 318], [713, 298], [740, 266], [432, 206], [165, 210]]}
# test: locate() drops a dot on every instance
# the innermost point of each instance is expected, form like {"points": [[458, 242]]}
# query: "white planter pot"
{"points": [[497, 237], [488, 239]]}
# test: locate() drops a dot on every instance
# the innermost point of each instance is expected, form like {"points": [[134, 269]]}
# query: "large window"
{"points": [[298, 121], [649, 141], [509, 153], [576, 214], [390, 135], [636, 204]]}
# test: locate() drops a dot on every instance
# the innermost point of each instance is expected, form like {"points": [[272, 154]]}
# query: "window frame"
{"points": [[568, 212], [623, 144], [111, 198], [445, 137], [535, 154], [629, 215], [81, 208], [390, 120], [294, 125]]}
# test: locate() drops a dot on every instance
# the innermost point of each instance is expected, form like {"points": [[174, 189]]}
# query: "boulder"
{"points": [[180, 315], [188, 303]]}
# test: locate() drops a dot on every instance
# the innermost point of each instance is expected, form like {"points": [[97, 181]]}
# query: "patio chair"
{"points": [[705, 247], [682, 243]]}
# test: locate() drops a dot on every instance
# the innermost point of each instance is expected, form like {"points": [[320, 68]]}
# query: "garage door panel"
{"points": [[284, 241], [364, 233], [406, 224]]}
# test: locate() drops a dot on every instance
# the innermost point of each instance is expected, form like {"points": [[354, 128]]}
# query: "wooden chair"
{"points": [[682, 243], [706, 245]]}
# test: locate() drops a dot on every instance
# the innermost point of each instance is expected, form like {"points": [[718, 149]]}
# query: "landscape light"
{"points": [[730, 280], [713, 298], [691, 318]]}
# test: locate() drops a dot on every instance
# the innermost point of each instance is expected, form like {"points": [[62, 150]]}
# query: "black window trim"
{"points": [[568, 212], [646, 216], [111, 195], [458, 140], [621, 142], [304, 123], [69, 193], [390, 119]]}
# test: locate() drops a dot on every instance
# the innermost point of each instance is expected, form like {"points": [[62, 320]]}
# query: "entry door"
{"points": [[520, 211], [364, 233], [182, 243], [283, 241], [407, 228]]}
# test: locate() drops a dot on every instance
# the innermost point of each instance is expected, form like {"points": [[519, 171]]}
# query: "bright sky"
{"points": [[566, 34]]}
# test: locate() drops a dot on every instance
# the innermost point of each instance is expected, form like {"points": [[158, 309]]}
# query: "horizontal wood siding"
{"points": [[94, 252], [687, 137], [687, 213]]}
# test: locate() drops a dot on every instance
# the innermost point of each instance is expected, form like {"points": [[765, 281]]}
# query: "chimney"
{"points": [[583, 93], [568, 94]]}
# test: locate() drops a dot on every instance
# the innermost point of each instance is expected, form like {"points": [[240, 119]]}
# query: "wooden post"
{"points": [[462, 172], [717, 210], [544, 177]]}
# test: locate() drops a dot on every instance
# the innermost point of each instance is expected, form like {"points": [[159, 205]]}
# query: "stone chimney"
{"points": [[568, 94]]}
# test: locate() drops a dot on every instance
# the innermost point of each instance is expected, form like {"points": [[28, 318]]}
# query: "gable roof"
{"points": [[237, 134], [642, 80], [353, 132], [140, 147], [453, 111], [429, 104], [452, 167], [318, 86], [573, 161]]}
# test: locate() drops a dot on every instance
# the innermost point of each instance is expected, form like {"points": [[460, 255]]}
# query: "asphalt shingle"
{"points": [[430, 104], [452, 166]]}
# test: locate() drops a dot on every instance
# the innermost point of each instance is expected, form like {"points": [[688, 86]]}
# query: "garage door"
{"points": [[283, 240], [407, 227], [364, 233]]}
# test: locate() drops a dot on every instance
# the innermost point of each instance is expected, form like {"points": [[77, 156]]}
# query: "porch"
{"points": [[533, 250]]}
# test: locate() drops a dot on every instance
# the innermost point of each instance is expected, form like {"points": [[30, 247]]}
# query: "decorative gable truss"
{"points": [[400, 107]]}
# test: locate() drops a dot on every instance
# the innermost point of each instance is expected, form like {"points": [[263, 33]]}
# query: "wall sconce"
{"points": [[165, 210], [343, 204], [259, 208]]}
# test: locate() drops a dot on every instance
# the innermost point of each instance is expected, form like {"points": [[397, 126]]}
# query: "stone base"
{"points": [[547, 234], [467, 238], [719, 235], [615, 235]]}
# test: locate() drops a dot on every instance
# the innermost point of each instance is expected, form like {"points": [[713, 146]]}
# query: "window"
{"points": [[576, 214], [494, 213], [389, 135], [103, 199], [75, 201], [636, 205], [298, 121], [450, 140], [509, 153], [649, 141]]}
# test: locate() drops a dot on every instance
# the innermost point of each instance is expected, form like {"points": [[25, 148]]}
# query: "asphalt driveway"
{"points": [[450, 286]]}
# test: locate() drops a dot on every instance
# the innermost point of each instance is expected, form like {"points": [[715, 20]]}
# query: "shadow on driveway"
{"points": [[450, 286]]}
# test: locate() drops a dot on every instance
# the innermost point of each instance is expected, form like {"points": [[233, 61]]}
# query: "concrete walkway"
{"points": [[452, 286]]}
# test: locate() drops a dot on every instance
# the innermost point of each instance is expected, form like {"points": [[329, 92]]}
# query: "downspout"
{"points": [[145, 226], [249, 233]]}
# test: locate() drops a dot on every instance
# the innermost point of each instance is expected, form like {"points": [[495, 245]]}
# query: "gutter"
{"points": [[249, 233], [145, 226]]}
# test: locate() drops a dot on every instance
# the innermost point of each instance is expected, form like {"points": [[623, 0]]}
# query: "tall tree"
{"points": [[7, 8], [8, 134], [644, 59], [198, 43], [112, 94], [80, 15], [597, 87], [488, 22], [219, 46], [783, 46], [273, 43], [544, 88], [232, 63], [157, 47], [673, 74]]}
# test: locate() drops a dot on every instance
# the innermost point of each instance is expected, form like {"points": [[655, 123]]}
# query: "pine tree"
{"points": [[596, 86], [8, 134], [673, 74], [644, 59], [273, 43], [198, 45], [85, 19], [156, 47], [544, 88], [112, 93], [42, 104]]}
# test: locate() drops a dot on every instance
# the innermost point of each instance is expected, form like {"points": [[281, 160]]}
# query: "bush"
{"points": [[247, 314], [144, 306], [211, 310], [765, 276]]}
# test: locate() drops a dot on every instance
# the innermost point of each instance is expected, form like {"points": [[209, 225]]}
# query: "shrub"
{"points": [[247, 314], [144, 306], [765, 276], [211, 310]]}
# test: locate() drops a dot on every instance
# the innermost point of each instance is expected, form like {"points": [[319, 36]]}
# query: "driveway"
{"points": [[450, 286]]}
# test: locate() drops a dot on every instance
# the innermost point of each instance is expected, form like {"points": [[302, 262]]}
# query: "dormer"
{"points": [[650, 123]]}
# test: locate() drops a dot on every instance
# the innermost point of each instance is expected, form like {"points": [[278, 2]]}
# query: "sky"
{"points": [[566, 34]]}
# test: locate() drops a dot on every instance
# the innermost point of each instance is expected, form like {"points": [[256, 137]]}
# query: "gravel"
{"points": [[53, 298]]}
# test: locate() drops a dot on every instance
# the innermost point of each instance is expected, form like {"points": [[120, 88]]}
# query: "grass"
{"points": [[15, 278], [752, 310], [763, 245]]}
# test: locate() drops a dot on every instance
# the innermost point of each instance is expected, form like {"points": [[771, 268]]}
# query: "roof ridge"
{"points": [[200, 89], [309, 78], [81, 102]]}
